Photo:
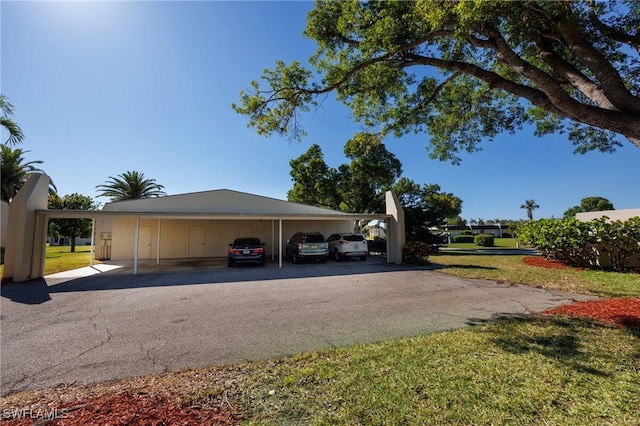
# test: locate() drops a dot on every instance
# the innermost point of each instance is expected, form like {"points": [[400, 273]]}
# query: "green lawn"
{"points": [[60, 258], [518, 372]]}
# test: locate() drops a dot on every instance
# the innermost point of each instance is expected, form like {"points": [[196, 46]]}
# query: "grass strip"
{"points": [[523, 371], [510, 268]]}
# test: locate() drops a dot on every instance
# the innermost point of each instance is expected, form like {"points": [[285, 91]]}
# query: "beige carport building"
{"points": [[185, 226]]}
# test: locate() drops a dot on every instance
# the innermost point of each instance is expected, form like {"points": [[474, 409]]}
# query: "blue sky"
{"points": [[100, 88]]}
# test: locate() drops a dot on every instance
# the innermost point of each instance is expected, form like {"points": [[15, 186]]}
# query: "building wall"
{"points": [[622, 215], [197, 238], [26, 232]]}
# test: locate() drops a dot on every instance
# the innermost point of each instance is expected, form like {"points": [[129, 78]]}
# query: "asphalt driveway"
{"points": [[114, 325]]}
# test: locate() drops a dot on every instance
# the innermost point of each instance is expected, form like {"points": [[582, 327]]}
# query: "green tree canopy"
{"points": [[425, 207], [130, 185], [370, 173], [71, 228], [15, 133], [359, 186], [314, 182], [16, 171], [355, 187], [465, 71], [589, 204]]}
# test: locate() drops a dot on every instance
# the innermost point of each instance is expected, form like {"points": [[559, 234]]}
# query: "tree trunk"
{"points": [[73, 244]]}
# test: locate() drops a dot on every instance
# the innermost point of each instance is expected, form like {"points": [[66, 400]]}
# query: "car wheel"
{"points": [[294, 258], [336, 255], [230, 264], [363, 258], [323, 260], [262, 262]]}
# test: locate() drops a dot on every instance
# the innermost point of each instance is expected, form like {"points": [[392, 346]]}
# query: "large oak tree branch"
{"points": [[612, 84]]}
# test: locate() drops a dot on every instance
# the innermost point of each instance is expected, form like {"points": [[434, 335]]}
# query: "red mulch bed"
{"points": [[132, 409], [544, 263], [623, 312]]}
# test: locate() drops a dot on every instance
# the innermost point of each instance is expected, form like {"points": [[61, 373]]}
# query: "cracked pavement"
{"points": [[114, 325]]}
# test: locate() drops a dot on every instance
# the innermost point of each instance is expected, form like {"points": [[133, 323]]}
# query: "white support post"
{"points": [[93, 240], [273, 239], [136, 245], [43, 246], [279, 243], [158, 245]]}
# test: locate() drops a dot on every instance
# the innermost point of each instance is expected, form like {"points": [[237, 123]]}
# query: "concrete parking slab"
{"points": [[114, 325]]}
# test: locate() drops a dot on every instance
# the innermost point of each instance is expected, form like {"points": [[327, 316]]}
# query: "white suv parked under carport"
{"points": [[346, 245]]}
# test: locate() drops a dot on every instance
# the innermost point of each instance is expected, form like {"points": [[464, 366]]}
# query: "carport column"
{"points": [[158, 245], [395, 224], [93, 241], [26, 234], [273, 239], [279, 243], [136, 244], [39, 246]]}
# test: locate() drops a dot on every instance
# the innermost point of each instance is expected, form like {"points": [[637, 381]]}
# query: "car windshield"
{"points": [[313, 238], [353, 237], [246, 242]]}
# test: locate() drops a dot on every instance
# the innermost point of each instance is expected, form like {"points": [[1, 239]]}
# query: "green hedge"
{"points": [[580, 243], [484, 240], [463, 239]]}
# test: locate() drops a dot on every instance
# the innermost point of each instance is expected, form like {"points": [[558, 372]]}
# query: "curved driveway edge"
{"points": [[114, 325]]}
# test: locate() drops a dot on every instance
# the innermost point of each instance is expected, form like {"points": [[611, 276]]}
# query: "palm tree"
{"points": [[530, 206], [130, 186], [15, 171], [15, 134]]}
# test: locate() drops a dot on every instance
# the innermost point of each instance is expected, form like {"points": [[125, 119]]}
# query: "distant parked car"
{"points": [[348, 244], [307, 245], [246, 250]]}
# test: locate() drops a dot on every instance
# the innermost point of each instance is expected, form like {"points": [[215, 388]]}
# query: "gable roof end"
{"points": [[220, 201]]}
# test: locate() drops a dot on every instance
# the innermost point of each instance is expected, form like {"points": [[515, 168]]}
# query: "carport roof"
{"points": [[220, 201], [215, 204]]}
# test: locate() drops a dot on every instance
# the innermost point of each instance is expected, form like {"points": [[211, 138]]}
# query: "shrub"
{"points": [[463, 239], [620, 241], [484, 240], [416, 253], [466, 233], [580, 244]]}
